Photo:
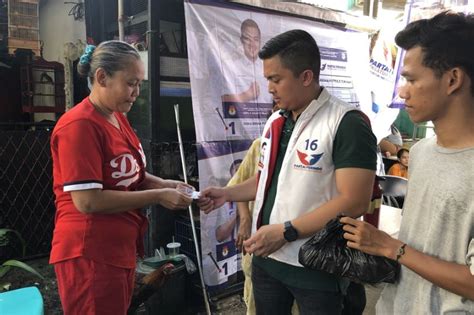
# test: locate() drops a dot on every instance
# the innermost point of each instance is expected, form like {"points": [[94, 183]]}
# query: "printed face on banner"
{"points": [[250, 39]]}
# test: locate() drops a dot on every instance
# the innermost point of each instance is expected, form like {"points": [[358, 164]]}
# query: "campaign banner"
{"points": [[384, 59], [218, 161], [231, 101]]}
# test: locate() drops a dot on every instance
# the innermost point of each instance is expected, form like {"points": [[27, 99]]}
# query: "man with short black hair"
{"points": [[319, 160], [436, 239]]}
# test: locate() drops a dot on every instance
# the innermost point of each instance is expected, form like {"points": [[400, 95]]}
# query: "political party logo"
{"points": [[232, 110], [308, 157], [226, 250]]}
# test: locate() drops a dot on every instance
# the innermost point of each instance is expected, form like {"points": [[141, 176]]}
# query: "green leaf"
{"points": [[19, 264]]}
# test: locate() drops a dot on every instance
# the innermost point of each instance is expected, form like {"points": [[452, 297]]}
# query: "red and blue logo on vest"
{"points": [[308, 157]]}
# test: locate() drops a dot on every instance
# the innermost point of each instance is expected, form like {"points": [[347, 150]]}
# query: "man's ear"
{"points": [[308, 77], [456, 78], [101, 77]]}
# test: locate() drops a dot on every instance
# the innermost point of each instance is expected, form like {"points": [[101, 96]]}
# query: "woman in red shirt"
{"points": [[100, 183]]}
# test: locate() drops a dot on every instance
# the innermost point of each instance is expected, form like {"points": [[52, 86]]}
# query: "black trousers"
{"points": [[354, 300]]}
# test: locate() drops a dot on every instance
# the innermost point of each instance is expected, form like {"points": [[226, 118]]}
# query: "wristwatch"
{"points": [[290, 234], [401, 252]]}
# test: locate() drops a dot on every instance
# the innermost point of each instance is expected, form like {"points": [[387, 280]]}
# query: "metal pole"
{"points": [[121, 19], [193, 228]]}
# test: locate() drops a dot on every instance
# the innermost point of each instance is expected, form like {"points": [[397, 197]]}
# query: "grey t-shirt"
{"points": [[438, 219]]}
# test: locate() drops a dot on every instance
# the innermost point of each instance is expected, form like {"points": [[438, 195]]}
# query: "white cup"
{"points": [[173, 249]]}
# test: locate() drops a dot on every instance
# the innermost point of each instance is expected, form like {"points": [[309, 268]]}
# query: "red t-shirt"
{"points": [[89, 152]]}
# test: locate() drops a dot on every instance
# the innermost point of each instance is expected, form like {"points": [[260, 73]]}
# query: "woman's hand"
{"points": [[173, 199], [185, 189]]}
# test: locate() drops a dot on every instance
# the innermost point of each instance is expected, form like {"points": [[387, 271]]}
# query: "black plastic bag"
{"points": [[327, 251]]}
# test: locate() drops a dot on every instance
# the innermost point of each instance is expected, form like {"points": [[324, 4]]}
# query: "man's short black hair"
{"points": [[447, 41], [297, 50]]}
